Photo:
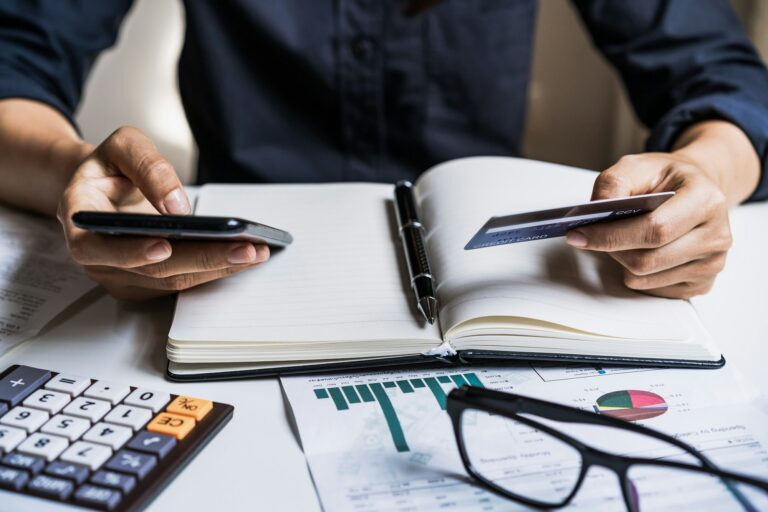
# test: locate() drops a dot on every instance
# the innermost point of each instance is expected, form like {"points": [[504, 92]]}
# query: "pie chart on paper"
{"points": [[631, 405]]}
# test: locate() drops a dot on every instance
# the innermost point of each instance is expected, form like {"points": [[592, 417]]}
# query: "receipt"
{"points": [[38, 280]]}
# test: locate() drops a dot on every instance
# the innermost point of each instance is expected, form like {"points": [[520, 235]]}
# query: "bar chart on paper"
{"points": [[344, 397]]}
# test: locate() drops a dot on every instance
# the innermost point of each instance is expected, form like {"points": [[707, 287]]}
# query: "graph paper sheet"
{"points": [[383, 442]]}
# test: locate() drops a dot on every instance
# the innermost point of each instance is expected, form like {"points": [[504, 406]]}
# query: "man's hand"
{"points": [[674, 251], [127, 174], [678, 249]]}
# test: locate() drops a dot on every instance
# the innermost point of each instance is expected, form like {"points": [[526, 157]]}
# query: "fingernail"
{"points": [[576, 239], [242, 254], [176, 202], [262, 253], [158, 251]]}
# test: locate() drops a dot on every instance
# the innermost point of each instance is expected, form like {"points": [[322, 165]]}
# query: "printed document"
{"points": [[37, 278], [383, 441]]}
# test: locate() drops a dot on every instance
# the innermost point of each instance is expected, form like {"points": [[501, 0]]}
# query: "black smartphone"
{"points": [[186, 227]]}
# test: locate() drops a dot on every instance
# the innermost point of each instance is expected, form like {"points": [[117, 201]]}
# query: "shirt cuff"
{"points": [[750, 116]]}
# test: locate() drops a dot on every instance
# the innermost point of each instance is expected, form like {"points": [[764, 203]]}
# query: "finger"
{"points": [[631, 175], [123, 252], [127, 285], [694, 203], [681, 290], [87, 248], [694, 272], [194, 257], [699, 243], [134, 155]]}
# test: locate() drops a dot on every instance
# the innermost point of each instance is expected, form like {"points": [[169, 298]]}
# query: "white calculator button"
{"points": [[10, 437], [43, 445], [67, 426], [154, 400], [109, 391], [110, 435], [129, 415], [88, 454], [70, 384], [88, 408], [24, 417], [49, 401]]}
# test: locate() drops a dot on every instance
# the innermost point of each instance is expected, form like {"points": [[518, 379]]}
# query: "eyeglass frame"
{"points": [[511, 406]]}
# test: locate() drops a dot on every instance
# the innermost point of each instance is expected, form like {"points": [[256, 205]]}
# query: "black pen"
{"points": [[412, 238]]}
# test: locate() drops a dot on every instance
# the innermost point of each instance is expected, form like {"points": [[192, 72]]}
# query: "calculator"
{"points": [[96, 444]]}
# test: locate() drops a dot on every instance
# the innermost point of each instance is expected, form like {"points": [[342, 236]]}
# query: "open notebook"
{"points": [[339, 296]]}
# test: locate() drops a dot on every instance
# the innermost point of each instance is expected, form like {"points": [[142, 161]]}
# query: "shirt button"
{"points": [[362, 47]]}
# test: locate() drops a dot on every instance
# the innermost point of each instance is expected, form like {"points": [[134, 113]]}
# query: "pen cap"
{"points": [[405, 204]]}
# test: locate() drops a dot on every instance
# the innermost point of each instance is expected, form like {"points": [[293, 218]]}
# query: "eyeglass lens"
{"points": [[518, 459]]}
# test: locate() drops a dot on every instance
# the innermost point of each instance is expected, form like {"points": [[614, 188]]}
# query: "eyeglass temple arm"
{"points": [[714, 471]]}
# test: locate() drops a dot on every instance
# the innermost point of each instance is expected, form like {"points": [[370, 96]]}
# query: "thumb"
{"points": [[630, 176], [132, 154]]}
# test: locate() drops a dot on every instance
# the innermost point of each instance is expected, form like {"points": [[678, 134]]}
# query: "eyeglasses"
{"points": [[508, 443]]}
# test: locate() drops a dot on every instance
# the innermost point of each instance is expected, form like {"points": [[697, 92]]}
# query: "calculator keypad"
{"points": [[68, 438]]}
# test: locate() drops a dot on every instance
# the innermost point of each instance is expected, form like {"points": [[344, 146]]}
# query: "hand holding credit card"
{"points": [[554, 222]]}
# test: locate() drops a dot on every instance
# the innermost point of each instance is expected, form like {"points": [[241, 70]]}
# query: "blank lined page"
{"points": [[339, 281]]}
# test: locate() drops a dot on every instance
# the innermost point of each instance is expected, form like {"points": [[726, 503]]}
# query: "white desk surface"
{"points": [[256, 461]]}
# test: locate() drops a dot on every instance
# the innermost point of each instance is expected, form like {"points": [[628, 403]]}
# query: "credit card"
{"points": [[542, 224]]}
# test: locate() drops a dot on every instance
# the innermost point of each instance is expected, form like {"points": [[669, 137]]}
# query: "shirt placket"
{"points": [[361, 87]]}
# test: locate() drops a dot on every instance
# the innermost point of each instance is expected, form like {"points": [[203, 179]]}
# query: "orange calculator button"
{"points": [[172, 424], [188, 406]]}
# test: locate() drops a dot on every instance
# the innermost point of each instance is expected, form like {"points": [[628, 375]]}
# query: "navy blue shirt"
{"points": [[321, 90]]}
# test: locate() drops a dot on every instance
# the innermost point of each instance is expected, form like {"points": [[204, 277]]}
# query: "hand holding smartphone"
{"points": [[165, 254]]}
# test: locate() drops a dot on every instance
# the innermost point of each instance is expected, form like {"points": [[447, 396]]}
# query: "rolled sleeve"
{"points": [[684, 61], [47, 47], [27, 88], [750, 116]]}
